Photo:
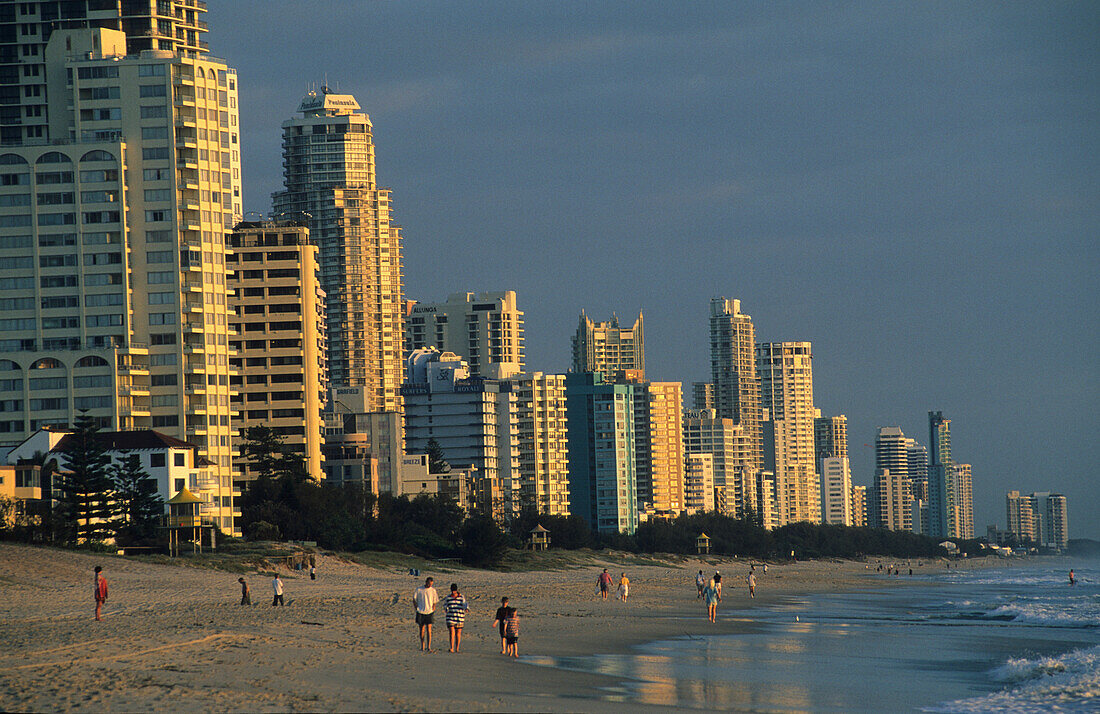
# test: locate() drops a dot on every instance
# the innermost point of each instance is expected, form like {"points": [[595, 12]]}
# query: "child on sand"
{"points": [[511, 632], [624, 587], [100, 591], [246, 594]]}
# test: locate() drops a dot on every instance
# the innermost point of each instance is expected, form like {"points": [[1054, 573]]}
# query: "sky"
{"points": [[912, 187]]}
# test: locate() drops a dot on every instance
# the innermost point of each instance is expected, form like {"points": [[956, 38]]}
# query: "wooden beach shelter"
{"points": [[702, 544], [183, 515], [540, 538]]}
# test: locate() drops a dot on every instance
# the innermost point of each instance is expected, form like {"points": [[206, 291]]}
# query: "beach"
{"points": [[175, 638]]}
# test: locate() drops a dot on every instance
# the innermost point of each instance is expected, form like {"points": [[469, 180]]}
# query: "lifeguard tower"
{"points": [[702, 544], [185, 520], [540, 538]]}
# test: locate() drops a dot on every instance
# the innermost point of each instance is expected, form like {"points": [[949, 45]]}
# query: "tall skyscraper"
{"points": [[543, 441], [277, 311], [918, 484], [836, 496], [474, 420], [659, 446], [609, 348], [113, 212], [485, 329], [603, 486], [733, 372], [830, 438], [964, 501], [785, 370], [328, 156], [892, 491], [942, 522], [702, 395]]}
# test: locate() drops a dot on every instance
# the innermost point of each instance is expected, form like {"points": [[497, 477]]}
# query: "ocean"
{"points": [[1016, 639]]}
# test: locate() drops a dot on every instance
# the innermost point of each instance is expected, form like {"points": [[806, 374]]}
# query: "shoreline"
{"points": [[175, 638]]}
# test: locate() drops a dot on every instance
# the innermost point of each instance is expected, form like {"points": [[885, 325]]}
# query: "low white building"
{"points": [[172, 463]]}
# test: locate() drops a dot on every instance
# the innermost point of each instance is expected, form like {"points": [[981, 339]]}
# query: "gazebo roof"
{"points": [[539, 529], [184, 496], [703, 536]]}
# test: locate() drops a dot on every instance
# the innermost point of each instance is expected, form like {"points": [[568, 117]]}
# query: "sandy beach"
{"points": [[175, 638]]}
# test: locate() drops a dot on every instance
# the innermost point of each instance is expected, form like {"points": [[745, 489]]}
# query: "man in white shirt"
{"points": [[426, 599], [277, 586]]}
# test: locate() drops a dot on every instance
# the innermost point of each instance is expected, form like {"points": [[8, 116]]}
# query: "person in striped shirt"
{"points": [[455, 608]]}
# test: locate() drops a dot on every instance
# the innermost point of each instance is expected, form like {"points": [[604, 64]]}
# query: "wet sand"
{"points": [[174, 637]]}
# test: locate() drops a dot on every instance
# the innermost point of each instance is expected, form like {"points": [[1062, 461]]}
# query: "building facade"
{"points": [[830, 437], [942, 517], [277, 310], [736, 481], [112, 241], [543, 441], [1040, 518], [836, 488], [603, 487], [485, 329], [330, 179], [893, 495], [859, 506], [474, 420], [698, 483], [659, 446], [733, 372], [785, 370], [964, 500], [607, 347]]}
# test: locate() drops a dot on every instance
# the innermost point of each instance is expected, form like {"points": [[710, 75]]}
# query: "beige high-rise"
{"points": [[485, 329], [278, 313], [543, 441], [787, 393], [733, 373], [328, 157], [659, 446], [736, 482], [964, 500], [609, 348], [112, 247]]}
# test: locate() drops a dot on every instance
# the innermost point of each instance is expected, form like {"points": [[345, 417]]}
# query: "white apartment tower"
{"points": [[329, 171], [485, 329], [785, 370], [112, 239], [836, 487], [892, 490]]}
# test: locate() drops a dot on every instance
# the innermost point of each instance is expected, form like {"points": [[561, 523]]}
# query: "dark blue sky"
{"points": [[913, 187]]}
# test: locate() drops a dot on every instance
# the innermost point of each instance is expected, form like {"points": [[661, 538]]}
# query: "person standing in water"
{"points": [[1072, 578]]}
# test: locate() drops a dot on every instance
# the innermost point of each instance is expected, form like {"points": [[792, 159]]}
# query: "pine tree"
{"points": [[436, 463], [270, 457], [140, 505], [85, 497]]}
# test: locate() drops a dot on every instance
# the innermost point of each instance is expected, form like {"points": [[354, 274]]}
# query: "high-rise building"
{"points": [[836, 500], [171, 27], [277, 311], [733, 372], [964, 500], [609, 348], [736, 482], [830, 438], [659, 446], [702, 395], [859, 506], [603, 486], [1038, 519], [942, 521], [471, 418], [698, 483], [364, 446], [328, 157], [892, 491], [543, 441], [917, 465], [485, 329], [785, 370], [113, 213]]}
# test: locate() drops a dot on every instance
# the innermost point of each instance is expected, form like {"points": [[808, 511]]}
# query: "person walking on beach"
{"points": [[426, 599], [752, 584], [100, 591], [511, 632], [501, 621], [718, 585], [277, 586], [246, 594], [604, 583], [455, 608], [312, 571], [700, 583], [624, 587], [710, 599]]}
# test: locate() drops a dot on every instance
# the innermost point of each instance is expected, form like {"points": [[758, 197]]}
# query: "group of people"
{"points": [[455, 607], [604, 582], [276, 588], [710, 591]]}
